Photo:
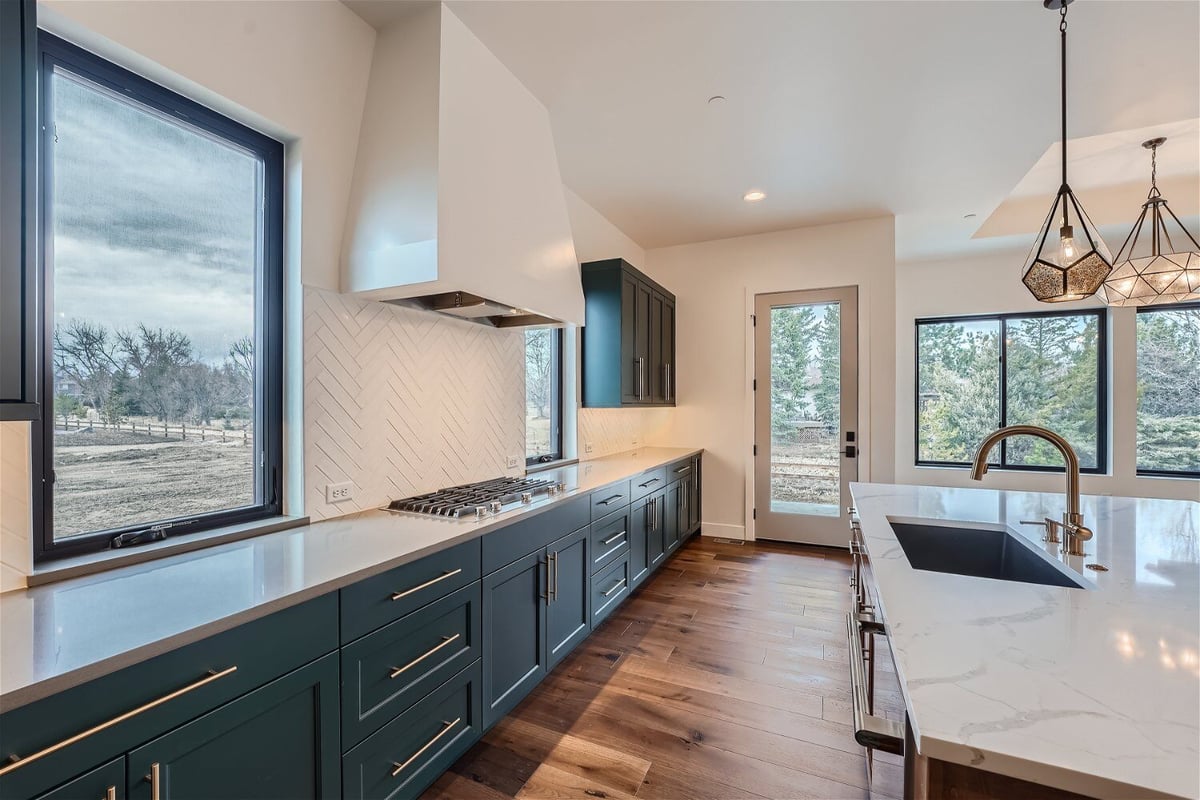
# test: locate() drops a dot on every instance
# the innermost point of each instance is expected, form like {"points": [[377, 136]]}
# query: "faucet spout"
{"points": [[1072, 519]]}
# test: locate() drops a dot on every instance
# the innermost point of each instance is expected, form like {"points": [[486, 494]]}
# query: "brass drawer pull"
{"points": [[615, 587], [446, 726], [54, 748], [155, 778], [611, 539], [425, 585], [110, 793], [398, 671], [608, 500]]}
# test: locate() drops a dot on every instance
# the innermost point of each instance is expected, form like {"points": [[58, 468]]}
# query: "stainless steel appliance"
{"points": [[477, 500]]}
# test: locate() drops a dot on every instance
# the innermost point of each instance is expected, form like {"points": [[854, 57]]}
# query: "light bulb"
{"points": [[1066, 246]]}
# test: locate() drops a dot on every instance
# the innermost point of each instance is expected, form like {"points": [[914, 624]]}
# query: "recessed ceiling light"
{"points": [[753, 196]]}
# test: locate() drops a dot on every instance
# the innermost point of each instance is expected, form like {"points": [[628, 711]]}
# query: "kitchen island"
{"points": [[1093, 690]]}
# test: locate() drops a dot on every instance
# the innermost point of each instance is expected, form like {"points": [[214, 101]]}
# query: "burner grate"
{"points": [[461, 501]]}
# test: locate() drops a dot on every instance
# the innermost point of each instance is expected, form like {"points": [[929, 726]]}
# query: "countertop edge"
{"points": [[39, 690]]}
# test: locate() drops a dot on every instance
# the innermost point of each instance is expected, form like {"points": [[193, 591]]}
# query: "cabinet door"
{"points": [[103, 783], [651, 515], [658, 378], [667, 347], [672, 506], [641, 339], [630, 367], [18, 40], [514, 634], [693, 503], [279, 741], [567, 619], [639, 545]]}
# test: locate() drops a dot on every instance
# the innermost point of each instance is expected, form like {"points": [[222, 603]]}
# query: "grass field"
{"points": [[806, 472], [106, 479]]}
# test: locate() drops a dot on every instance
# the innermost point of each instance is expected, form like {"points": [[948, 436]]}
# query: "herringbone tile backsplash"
{"points": [[400, 401]]}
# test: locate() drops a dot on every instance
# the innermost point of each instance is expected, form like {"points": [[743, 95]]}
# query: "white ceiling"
{"points": [[837, 110]]}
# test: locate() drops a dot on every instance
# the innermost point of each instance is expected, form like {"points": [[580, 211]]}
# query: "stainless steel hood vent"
{"points": [[474, 308]]}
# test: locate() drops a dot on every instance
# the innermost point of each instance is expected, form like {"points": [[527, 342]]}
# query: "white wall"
{"points": [[991, 283], [715, 283], [16, 546]]}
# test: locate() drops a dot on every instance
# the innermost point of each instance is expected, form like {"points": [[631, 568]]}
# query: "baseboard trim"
{"points": [[723, 530]]}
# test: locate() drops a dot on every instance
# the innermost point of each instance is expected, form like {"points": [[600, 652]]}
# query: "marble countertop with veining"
{"points": [[1093, 690], [62, 634]]}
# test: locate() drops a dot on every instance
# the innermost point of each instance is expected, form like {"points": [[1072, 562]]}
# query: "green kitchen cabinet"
{"points": [[279, 741], [568, 621], [106, 782], [674, 516], [514, 634], [629, 339]]}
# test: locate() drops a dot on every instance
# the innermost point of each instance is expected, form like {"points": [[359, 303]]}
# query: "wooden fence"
{"points": [[181, 431]]}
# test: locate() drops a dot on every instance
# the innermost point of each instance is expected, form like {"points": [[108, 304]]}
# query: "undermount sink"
{"points": [[977, 552]]}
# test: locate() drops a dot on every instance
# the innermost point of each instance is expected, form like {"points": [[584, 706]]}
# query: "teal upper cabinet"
{"points": [[629, 339], [18, 288]]}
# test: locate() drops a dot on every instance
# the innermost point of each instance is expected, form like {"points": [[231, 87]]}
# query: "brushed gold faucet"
{"points": [[1072, 520]]}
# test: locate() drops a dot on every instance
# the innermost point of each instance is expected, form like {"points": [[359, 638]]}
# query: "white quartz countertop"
{"points": [[62, 634], [1093, 690]]}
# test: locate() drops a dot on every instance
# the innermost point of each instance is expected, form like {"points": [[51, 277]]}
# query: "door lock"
{"points": [[850, 452]]}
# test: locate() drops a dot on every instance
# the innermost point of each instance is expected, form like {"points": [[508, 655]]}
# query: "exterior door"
{"points": [[805, 414]]}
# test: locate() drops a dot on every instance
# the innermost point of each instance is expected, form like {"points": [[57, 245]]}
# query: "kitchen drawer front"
{"points": [[680, 470], [409, 753], [386, 672], [106, 782], [610, 539], [609, 499], [376, 601], [609, 589], [648, 482], [157, 695], [504, 546]]}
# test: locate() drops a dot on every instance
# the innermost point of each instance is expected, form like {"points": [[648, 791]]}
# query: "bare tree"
{"points": [[86, 353], [157, 357]]}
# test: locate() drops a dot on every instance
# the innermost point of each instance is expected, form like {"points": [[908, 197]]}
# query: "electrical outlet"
{"points": [[588, 447], [513, 461], [339, 492]]}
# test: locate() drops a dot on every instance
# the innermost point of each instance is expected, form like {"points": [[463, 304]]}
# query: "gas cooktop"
{"points": [[479, 499]]}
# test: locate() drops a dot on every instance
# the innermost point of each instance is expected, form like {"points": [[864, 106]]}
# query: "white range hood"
{"points": [[457, 203]]}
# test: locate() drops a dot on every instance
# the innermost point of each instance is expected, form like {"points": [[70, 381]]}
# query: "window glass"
{"points": [[958, 388], [543, 395], [1168, 375]]}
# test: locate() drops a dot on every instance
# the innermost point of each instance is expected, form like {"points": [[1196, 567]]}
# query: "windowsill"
{"points": [[562, 462], [74, 567]]}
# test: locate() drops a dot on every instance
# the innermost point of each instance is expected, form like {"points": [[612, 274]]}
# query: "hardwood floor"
{"points": [[723, 677]]}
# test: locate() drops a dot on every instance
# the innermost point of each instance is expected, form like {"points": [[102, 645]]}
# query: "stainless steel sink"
{"points": [[978, 552]]}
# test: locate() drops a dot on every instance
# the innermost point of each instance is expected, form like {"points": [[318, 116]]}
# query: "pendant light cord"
{"points": [[1062, 30]]}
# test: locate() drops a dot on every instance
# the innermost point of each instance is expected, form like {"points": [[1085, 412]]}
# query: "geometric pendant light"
{"points": [[1069, 260], [1157, 273]]}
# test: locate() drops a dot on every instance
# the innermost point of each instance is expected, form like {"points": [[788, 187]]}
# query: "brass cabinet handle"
{"points": [[155, 778], [401, 766], [110, 793], [425, 585], [615, 587], [611, 539], [398, 671], [54, 748], [608, 500]]}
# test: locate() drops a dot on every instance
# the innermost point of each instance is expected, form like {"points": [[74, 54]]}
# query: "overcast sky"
{"points": [[153, 222]]}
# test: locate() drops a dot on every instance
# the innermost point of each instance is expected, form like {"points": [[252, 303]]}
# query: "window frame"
{"points": [[556, 404], [1102, 393], [269, 313], [1157, 473]]}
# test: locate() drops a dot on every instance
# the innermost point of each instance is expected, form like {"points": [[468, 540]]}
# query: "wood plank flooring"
{"points": [[723, 677]]}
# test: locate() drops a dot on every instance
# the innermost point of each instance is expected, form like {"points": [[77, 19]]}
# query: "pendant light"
{"points": [[1150, 276], [1069, 260]]}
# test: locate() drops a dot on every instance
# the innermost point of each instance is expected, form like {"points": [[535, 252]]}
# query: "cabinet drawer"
{"points": [[609, 499], [386, 672], [157, 695], [103, 783], [680, 470], [609, 588], [648, 482], [372, 603], [504, 546], [401, 759], [610, 539]]}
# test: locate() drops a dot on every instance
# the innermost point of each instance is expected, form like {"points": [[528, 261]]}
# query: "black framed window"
{"points": [[543, 395], [1168, 386], [978, 373], [162, 286]]}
